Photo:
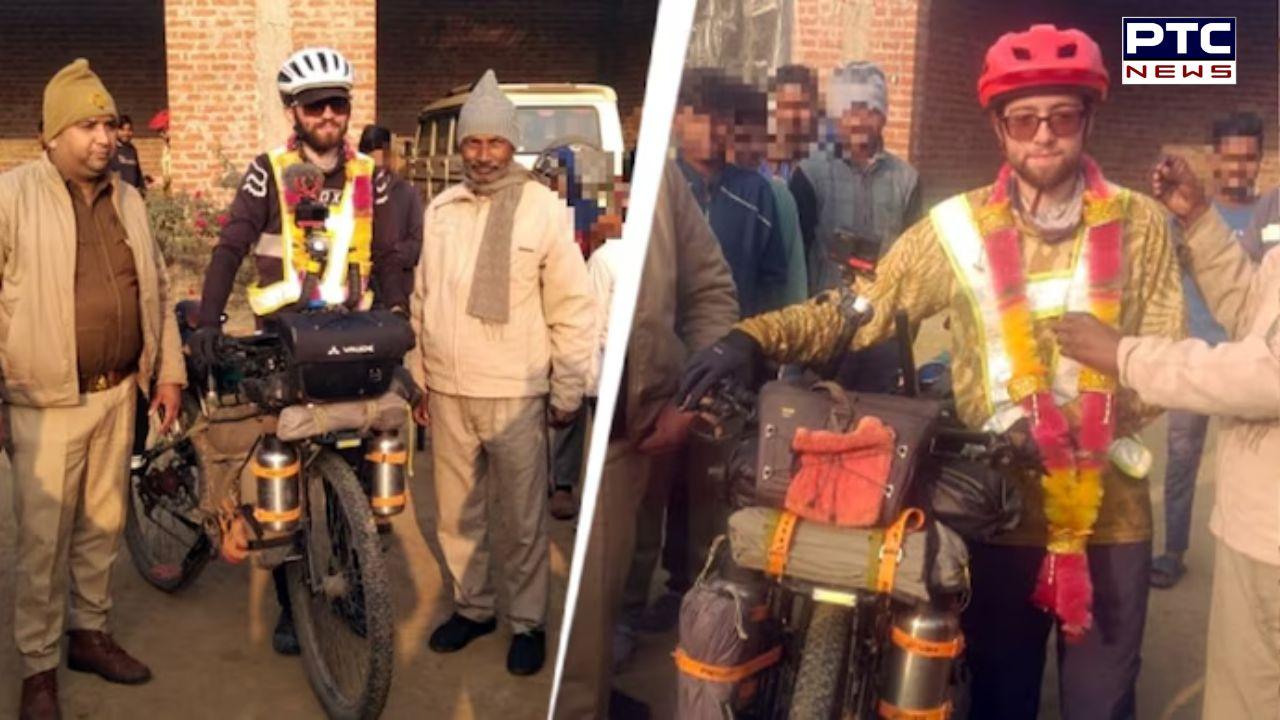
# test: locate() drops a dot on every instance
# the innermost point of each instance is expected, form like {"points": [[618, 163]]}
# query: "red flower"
{"points": [[201, 223], [199, 194], [222, 220], [363, 198]]}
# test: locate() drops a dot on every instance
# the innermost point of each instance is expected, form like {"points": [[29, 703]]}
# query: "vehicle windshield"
{"points": [[542, 126]]}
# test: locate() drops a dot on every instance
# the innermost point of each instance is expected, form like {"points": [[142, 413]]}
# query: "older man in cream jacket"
{"points": [[504, 318]]}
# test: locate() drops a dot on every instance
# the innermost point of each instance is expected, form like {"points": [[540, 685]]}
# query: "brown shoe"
{"points": [[96, 652], [40, 697]]}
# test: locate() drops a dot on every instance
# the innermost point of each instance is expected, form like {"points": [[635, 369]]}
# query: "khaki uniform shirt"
{"points": [[108, 324]]}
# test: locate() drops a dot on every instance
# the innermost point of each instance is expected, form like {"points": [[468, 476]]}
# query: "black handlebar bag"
{"points": [[339, 355], [785, 408]]}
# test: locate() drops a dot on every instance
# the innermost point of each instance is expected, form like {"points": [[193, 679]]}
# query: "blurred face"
{"points": [[860, 129], [1043, 138], [125, 133], [1236, 161], [83, 150], [793, 117], [750, 144], [323, 124], [697, 136], [486, 158]]}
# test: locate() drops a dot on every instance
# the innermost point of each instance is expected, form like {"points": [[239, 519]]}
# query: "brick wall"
{"points": [[954, 147], [123, 41], [426, 49], [222, 62], [830, 33]]}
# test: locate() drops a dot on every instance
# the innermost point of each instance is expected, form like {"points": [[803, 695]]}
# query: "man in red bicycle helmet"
{"points": [[1005, 261]]}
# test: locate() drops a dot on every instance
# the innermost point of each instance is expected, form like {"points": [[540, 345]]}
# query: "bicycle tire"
{"points": [[323, 623], [826, 645], [160, 571]]}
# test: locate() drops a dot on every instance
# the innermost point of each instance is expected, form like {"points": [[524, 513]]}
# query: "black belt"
{"points": [[105, 381]]}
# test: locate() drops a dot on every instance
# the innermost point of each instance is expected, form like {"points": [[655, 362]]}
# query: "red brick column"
{"points": [[222, 56]]}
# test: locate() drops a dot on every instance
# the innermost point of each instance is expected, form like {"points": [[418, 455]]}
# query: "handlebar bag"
{"points": [[840, 477], [343, 355], [784, 408]]}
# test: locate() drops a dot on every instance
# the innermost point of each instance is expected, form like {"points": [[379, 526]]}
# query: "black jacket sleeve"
{"points": [[388, 230], [247, 220], [806, 207], [411, 243]]}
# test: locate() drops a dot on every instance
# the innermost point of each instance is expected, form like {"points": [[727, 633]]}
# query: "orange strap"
{"points": [[264, 515], [722, 674], [384, 502], [396, 458], [286, 471], [889, 711], [780, 543], [909, 521], [928, 648]]}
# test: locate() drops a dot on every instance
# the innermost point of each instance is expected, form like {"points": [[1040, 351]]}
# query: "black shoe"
{"points": [[457, 632], [625, 707], [284, 639], [528, 652]]}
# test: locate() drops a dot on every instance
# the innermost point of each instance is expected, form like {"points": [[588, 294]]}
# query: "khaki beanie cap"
{"points": [[74, 94]]}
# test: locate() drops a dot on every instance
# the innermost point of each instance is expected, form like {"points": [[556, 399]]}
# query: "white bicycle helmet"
{"points": [[314, 69]]}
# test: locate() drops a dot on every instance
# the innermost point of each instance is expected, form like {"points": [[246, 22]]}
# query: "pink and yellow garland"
{"points": [[1073, 485]]}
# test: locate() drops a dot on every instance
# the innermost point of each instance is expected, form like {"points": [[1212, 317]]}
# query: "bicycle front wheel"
{"points": [[339, 594]]}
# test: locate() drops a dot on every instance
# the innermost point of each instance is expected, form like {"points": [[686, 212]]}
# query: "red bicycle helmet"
{"points": [[1040, 57]]}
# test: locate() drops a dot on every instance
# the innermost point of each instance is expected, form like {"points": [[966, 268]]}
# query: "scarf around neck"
{"points": [[490, 298], [1054, 222]]}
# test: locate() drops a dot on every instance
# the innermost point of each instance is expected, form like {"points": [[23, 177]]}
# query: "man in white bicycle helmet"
{"points": [[315, 87]]}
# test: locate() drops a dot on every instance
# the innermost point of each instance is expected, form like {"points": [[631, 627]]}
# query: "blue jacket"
{"points": [[740, 207]]}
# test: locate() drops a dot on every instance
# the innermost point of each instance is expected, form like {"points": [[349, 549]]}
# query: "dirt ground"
{"points": [[209, 646]]}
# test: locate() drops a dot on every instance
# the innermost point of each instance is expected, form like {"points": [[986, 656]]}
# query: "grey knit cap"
{"points": [[488, 111], [857, 82]]}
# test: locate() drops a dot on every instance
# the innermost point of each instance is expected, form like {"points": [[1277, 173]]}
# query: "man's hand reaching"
{"points": [[1175, 184], [1085, 339]]}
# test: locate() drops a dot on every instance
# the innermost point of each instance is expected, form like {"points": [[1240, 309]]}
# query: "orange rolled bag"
{"points": [[842, 476]]}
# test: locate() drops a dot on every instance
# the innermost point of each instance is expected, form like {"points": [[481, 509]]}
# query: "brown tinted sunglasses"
{"points": [[1063, 123]]}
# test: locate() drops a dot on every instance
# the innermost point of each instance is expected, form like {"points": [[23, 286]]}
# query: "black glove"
{"points": [[734, 354], [202, 346]]}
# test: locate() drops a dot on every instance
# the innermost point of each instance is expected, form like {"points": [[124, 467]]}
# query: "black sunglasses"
{"points": [[340, 106]]}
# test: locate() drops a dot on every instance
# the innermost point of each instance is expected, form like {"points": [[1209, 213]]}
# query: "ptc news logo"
{"points": [[1179, 51]]}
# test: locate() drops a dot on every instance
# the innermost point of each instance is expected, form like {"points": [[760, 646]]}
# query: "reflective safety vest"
{"points": [[1049, 295], [349, 230]]}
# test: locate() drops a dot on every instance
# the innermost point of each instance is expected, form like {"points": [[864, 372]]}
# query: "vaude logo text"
{"points": [[1178, 50], [351, 350]]}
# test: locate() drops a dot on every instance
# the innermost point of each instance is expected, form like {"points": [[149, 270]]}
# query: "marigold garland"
{"points": [[1073, 482]]}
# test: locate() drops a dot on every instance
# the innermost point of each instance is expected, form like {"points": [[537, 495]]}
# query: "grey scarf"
{"points": [[1055, 223], [490, 298]]}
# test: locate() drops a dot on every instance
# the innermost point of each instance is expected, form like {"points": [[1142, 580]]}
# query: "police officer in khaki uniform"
{"points": [[80, 272]]}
